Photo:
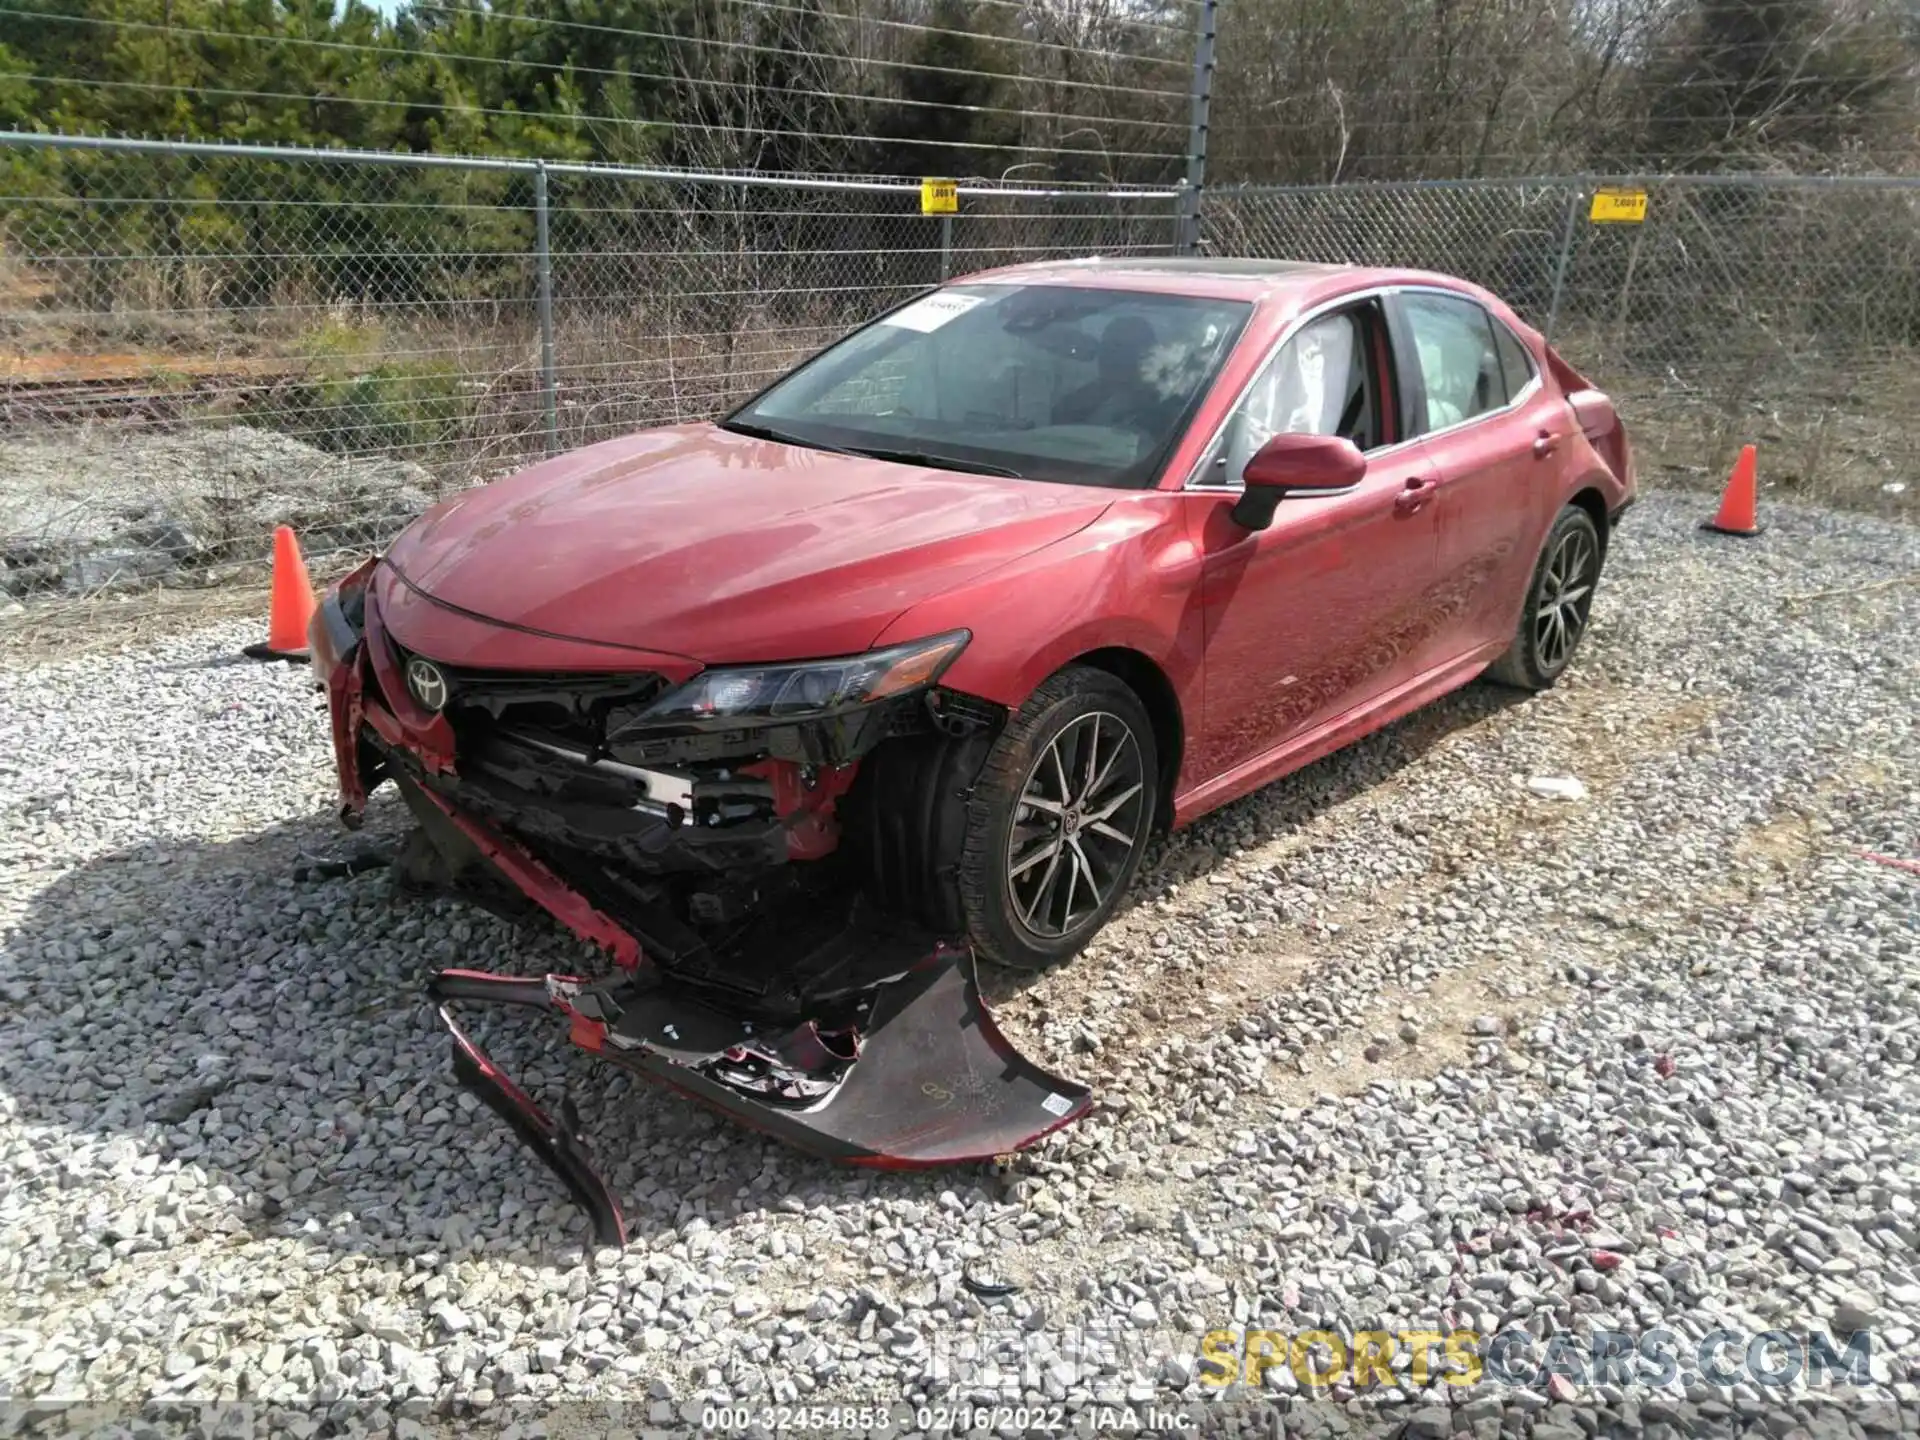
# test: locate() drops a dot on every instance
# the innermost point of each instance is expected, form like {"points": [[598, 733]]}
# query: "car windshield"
{"points": [[1041, 382]]}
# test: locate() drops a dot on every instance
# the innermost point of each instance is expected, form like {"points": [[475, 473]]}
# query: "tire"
{"points": [[1559, 601], [1022, 908]]}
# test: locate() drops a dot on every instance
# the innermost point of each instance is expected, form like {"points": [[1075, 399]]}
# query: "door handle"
{"points": [[1416, 494], [1545, 444]]}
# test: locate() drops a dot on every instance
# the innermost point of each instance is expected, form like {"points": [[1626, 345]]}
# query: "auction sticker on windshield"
{"points": [[930, 312]]}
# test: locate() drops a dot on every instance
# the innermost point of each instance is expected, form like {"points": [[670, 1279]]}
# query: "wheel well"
{"points": [[1150, 683], [1595, 504]]}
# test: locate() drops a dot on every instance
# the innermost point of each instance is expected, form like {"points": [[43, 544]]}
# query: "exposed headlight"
{"points": [[807, 688]]}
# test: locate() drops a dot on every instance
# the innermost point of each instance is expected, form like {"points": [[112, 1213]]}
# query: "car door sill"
{"points": [[1301, 750]]}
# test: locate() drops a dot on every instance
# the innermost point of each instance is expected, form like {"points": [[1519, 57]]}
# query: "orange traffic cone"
{"points": [[293, 603], [1737, 505]]}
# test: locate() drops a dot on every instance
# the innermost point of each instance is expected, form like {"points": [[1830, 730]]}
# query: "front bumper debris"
{"points": [[558, 1144], [766, 987], [910, 1074]]}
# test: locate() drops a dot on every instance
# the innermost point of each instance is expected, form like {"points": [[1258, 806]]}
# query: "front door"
{"points": [[1321, 611]]}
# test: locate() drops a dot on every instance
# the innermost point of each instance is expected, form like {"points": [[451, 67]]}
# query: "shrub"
{"points": [[356, 395]]}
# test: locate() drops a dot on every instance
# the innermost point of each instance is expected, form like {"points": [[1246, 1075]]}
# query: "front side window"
{"points": [[1319, 383], [1453, 346], [1063, 383]]}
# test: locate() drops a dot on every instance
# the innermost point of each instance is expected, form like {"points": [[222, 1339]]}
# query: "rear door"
{"points": [[1497, 435], [1318, 612]]}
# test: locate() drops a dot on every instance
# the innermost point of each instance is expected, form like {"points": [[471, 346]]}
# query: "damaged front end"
{"points": [[690, 822]]}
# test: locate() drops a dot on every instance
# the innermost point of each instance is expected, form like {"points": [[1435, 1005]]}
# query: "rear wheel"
{"points": [[1559, 600]]}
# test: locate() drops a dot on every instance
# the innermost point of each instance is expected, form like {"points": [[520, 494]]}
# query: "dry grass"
{"points": [[100, 624], [1850, 445]]}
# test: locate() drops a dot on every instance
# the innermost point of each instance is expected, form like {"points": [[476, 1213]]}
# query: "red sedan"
{"points": [[949, 619]]}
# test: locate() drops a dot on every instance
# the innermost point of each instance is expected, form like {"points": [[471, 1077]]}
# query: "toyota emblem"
{"points": [[426, 682]]}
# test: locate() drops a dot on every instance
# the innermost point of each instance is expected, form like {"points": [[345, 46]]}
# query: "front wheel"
{"points": [[1058, 819], [1559, 601]]}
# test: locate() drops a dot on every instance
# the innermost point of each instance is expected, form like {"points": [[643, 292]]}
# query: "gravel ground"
{"points": [[1398, 1043]]}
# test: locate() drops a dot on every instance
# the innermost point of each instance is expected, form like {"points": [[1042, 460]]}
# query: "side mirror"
{"points": [[1296, 464]]}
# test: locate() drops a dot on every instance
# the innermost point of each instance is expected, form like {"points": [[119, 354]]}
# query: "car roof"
{"points": [[1212, 277]]}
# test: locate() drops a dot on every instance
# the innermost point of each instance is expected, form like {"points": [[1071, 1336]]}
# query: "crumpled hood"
{"points": [[702, 543]]}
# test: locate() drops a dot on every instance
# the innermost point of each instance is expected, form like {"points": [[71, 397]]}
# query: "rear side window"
{"points": [[1516, 363], [1454, 349]]}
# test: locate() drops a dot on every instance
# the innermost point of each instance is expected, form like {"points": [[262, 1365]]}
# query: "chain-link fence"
{"points": [[1782, 312], [200, 342]]}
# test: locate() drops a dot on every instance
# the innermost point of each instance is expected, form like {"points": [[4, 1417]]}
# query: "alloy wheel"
{"points": [[1564, 598], [1078, 821]]}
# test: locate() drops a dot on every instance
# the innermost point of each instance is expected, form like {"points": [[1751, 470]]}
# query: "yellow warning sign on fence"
{"points": [[939, 197], [1618, 206]]}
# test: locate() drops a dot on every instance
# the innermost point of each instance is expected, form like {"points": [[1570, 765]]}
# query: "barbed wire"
{"points": [[1359, 168], [671, 76], [1784, 83], [590, 120], [1026, 7], [909, 26], [1234, 126], [813, 181]]}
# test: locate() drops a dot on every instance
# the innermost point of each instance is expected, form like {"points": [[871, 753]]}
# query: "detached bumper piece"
{"points": [[908, 1073], [558, 1145]]}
